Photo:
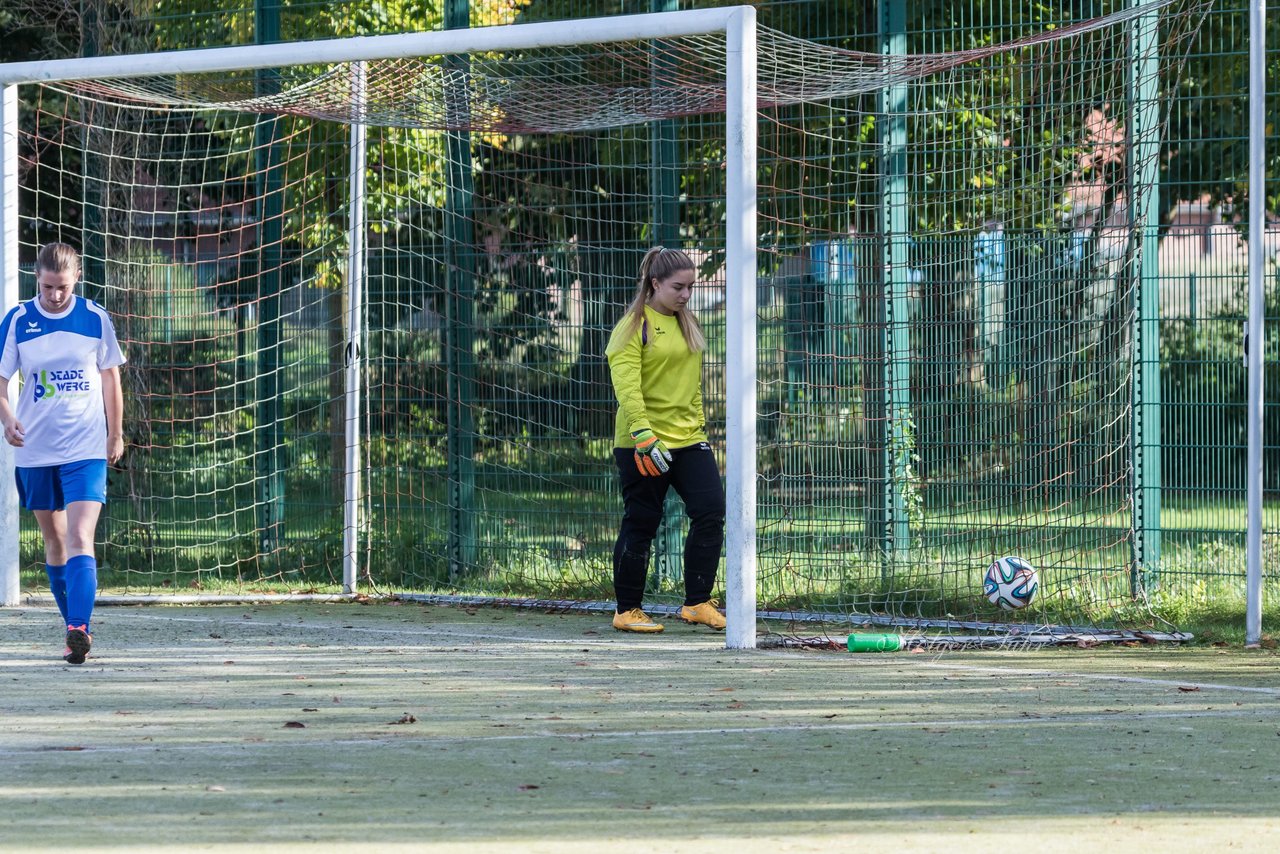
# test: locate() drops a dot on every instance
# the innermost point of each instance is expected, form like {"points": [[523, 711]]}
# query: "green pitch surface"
{"points": [[384, 727]]}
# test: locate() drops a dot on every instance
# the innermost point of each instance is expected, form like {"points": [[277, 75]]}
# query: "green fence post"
{"points": [[1144, 178], [93, 241], [895, 226], [168, 303], [665, 187], [268, 412], [460, 312]]}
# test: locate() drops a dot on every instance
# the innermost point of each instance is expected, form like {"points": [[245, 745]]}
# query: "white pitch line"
{"points": [[889, 659], [1048, 720], [1100, 677], [615, 643]]}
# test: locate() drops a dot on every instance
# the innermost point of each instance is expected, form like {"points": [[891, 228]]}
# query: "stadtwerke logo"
{"points": [[53, 383]]}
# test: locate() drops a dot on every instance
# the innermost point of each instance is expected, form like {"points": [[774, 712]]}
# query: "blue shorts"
{"points": [[54, 487]]}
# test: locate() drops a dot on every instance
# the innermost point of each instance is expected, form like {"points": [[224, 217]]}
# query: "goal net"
{"points": [[365, 304]]}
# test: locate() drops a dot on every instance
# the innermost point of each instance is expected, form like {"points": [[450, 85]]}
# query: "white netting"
{"points": [[947, 302], [587, 88]]}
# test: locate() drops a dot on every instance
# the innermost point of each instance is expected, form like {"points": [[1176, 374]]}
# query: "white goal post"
{"points": [[737, 24]]}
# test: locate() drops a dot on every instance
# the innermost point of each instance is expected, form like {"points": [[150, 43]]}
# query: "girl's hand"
{"points": [[115, 449], [14, 434], [652, 457]]}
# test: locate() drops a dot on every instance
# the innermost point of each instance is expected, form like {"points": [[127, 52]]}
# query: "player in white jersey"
{"points": [[67, 428]]}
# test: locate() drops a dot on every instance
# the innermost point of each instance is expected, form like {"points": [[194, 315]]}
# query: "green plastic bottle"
{"points": [[868, 642]]}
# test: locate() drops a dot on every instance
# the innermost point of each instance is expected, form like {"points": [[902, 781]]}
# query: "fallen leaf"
{"points": [[1187, 689]]}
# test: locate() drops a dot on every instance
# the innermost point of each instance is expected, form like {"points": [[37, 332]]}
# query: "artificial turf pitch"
{"points": [[388, 726]]}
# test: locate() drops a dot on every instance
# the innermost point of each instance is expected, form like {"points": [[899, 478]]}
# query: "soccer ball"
{"points": [[1011, 583]]}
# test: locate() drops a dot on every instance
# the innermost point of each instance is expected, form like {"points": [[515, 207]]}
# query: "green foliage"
{"points": [[906, 470], [31, 32], [1204, 394]]}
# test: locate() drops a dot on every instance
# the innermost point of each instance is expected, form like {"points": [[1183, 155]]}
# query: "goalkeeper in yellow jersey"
{"points": [[655, 361]]}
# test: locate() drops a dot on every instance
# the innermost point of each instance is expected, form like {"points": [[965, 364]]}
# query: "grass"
{"points": [[807, 565], [398, 727], [1212, 609]]}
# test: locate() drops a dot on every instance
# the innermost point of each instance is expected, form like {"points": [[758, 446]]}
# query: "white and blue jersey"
{"points": [[61, 358]]}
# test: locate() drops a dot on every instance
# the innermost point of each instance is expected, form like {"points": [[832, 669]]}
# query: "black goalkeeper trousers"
{"points": [[696, 479]]}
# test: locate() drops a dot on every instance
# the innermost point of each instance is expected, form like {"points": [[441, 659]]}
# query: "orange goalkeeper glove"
{"points": [[652, 457]]}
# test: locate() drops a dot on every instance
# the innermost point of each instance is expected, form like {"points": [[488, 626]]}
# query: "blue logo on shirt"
{"points": [[52, 383]]}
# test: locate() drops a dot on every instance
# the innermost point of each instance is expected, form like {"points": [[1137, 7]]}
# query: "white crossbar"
{"points": [[654, 25]]}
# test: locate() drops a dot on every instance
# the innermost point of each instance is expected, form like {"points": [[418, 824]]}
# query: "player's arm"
{"points": [[13, 432], [625, 355], [698, 407], [113, 402]]}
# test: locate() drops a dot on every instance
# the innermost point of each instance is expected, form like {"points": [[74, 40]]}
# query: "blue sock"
{"points": [[58, 587], [82, 587]]}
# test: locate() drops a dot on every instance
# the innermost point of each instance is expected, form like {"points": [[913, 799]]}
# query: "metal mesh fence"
{"points": [[810, 302]]}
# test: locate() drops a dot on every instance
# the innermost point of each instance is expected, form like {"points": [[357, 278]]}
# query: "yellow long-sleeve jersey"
{"points": [[657, 380]]}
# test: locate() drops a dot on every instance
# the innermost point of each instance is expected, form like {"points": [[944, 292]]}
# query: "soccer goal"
{"points": [[365, 284]]}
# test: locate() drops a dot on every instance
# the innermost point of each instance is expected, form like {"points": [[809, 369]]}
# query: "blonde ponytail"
{"points": [[659, 264]]}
